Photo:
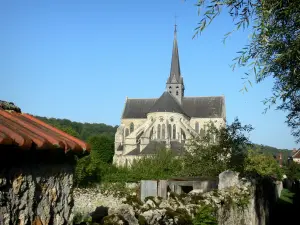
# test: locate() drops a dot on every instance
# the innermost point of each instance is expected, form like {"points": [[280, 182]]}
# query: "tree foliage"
{"points": [[218, 150], [92, 169], [102, 148], [81, 130], [89, 169], [292, 171], [274, 48], [262, 164]]}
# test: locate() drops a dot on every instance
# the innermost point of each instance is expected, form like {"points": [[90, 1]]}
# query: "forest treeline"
{"points": [[83, 131]]}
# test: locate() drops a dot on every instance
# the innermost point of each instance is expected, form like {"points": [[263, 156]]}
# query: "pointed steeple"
{"points": [[175, 84], [175, 74]]}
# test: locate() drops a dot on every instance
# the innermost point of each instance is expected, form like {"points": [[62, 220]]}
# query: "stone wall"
{"points": [[36, 194], [258, 199], [87, 200]]}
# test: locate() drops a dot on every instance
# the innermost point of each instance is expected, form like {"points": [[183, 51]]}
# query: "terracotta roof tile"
{"points": [[26, 131], [296, 154]]}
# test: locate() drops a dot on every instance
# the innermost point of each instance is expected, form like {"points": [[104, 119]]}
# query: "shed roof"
{"points": [[25, 132]]}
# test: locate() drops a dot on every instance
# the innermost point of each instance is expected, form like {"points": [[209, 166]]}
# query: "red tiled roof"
{"points": [[296, 154], [24, 131]]}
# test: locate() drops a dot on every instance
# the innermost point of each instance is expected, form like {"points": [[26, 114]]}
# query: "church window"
{"points": [[163, 131], [197, 127], [126, 132], [131, 127], [161, 119], [176, 92], [201, 132], [170, 92], [174, 131], [170, 87], [151, 134], [177, 87], [170, 130], [183, 135], [158, 131], [171, 119]]}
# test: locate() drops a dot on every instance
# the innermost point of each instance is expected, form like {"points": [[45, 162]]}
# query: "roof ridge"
{"points": [[204, 96], [164, 105], [140, 98]]}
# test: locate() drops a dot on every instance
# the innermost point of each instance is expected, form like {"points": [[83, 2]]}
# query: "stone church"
{"points": [[170, 121]]}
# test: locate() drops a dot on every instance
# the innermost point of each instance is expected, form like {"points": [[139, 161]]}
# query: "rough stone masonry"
{"points": [[39, 194]]}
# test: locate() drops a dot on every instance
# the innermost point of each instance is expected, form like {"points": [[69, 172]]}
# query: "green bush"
{"points": [[262, 164], [92, 169], [292, 170], [162, 165], [217, 150], [206, 215]]}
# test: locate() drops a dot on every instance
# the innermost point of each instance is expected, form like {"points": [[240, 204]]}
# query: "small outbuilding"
{"points": [[36, 169]]}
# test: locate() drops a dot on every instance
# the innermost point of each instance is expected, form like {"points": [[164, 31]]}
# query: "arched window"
{"points": [[176, 92], [174, 131], [131, 127], [183, 135], [158, 131], [163, 132], [197, 127], [151, 134], [170, 130], [126, 132], [201, 132]]}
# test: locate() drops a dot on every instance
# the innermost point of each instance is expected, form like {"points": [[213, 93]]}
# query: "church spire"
{"points": [[175, 74], [175, 84]]}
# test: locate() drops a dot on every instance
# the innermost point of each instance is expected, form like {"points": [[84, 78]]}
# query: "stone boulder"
{"points": [[125, 211], [228, 179]]}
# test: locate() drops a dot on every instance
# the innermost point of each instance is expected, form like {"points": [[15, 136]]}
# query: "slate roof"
{"points": [[154, 146], [204, 107], [137, 108], [167, 103], [200, 107], [25, 132]]}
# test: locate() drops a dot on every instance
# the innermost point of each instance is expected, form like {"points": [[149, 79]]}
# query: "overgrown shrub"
{"points": [[206, 215], [217, 150], [262, 164], [91, 169], [292, 170]]}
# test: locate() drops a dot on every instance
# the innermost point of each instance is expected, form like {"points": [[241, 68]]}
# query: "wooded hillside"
{"points": [[82, 131]]}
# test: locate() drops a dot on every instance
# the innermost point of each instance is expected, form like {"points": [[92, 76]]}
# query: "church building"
{"points": [[170, 121]]}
